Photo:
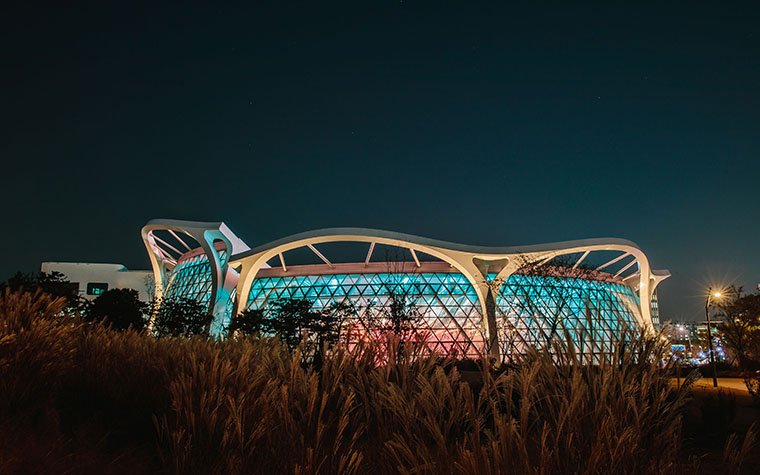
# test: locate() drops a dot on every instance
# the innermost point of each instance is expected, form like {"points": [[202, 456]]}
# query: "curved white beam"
{"points": [[612, 243]]}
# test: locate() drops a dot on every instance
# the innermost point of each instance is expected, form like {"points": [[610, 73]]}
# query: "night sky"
{"points": [[452, 120]]}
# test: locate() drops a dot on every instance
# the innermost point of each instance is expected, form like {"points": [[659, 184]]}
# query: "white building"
{"points": [[94, 279]]}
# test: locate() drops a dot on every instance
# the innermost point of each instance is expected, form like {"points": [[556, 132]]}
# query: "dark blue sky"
{"points": [[465, 122]]}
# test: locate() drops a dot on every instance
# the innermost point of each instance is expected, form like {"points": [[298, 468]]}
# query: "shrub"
{"points": [[180, 317], [54, 284], [752, 381], [250, 322], [34, 349], [119, 308]]}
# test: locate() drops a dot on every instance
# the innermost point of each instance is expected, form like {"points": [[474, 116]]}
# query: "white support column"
{"points": [[319, 254], [369, 254], [179, 253], [622, 256], [581, 259], [627, 266], [179, 239], [414, 255]]}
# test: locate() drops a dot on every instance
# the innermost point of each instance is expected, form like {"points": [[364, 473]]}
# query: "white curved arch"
{"points": [[469, 260], [409, 238], [253, 261]]}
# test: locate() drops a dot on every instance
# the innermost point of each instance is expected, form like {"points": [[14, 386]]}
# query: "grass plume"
{"points": [[85, 398]]}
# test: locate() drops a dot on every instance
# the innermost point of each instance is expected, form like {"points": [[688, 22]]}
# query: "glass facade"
{"points": [[530, 309], [190, 279], [451, 317]]}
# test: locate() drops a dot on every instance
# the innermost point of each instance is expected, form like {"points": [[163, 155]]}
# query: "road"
{"points": [[735, 385]]}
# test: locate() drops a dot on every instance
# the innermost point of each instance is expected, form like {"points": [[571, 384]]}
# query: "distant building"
{"points": [[94, 279], [689, 340], [655, 311], [717, 337]]}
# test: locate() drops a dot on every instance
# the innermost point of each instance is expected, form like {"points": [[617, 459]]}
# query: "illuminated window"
{"points": [[96, 288]]}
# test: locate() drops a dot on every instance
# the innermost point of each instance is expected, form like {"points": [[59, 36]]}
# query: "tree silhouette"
{"points": [[180, 317], [741, 327], [119, 308], [295, 322], [250, 322], [53, 283]]}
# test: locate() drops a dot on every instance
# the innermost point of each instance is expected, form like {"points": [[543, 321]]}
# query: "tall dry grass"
{"points": [[83, 398]]}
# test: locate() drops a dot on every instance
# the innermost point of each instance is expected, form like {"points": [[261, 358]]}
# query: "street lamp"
{"points": [[710, 296]]}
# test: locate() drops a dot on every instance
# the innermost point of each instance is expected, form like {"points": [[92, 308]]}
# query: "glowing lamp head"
{"points": [[716, 294]]}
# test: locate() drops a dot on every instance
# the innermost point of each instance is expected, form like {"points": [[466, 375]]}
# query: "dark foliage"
{"points": [[718, 413], [399, 317], [180, 317], [119, 308], [295, 322], [250, 322], [54, 284], [289, 319], [741, 328], [80, 398], [326, 328], [741, 334], [569, 262]]}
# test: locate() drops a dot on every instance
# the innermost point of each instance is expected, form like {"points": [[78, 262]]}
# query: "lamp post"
{"points": [[710, 296]]}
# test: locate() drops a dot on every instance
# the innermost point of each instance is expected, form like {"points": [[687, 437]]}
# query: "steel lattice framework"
{"points": [[473, 300], [191, 279], [451, 323], [533, 309]]}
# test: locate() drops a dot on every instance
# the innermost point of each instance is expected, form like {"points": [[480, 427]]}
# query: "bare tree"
{"points": [[544, 309], [399, 316]]}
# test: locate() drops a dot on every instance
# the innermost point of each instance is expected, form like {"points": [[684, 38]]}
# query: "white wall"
{"points": [[115, 275]]}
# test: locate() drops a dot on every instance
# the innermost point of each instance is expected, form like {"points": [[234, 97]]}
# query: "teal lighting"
{"points": [[529, 309], [594, 313], [451, 311]]}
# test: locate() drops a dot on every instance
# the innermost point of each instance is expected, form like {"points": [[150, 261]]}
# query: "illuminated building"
{"points": [[474, 300]]}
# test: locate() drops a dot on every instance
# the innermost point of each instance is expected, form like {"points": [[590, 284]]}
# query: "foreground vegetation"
{"points": [[740, 327], [81, 397]]}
